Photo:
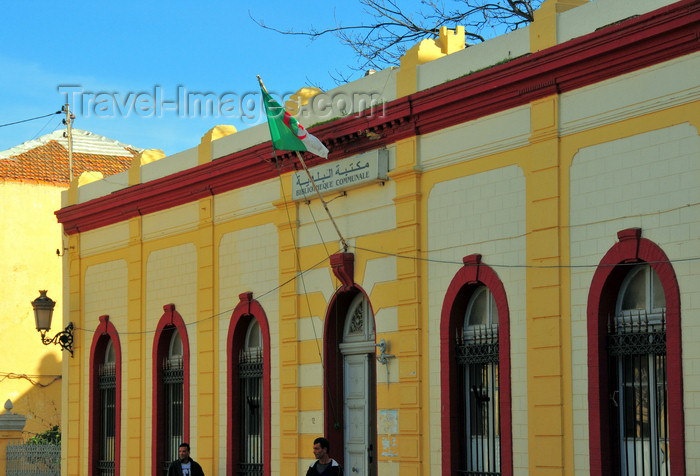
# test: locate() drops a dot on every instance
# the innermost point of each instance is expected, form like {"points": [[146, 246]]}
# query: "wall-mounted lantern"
{"points": [[43, 312]]}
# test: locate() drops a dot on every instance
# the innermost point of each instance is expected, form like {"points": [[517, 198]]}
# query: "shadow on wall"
{"points": [[41, 401]]}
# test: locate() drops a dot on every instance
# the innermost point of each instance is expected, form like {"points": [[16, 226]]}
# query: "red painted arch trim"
{"points": [[170, 319], [636, 43], [103, 334], [247, 308], [451, 319], [631, 248], [333, 366]]}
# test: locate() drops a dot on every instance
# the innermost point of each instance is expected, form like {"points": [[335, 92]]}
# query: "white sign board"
{"points": [[341, 175]]}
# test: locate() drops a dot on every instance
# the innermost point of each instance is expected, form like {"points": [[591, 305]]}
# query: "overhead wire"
{"points": [[30, 378], [105, 179], [301, 273], [496, 265], [311, 212], [30, 119], [430, 260], [42, 129], [303, 281], [226, 312], [522, 235]]}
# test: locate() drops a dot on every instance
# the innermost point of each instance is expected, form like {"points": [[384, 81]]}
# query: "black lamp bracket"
{"points": [[63, 338]]}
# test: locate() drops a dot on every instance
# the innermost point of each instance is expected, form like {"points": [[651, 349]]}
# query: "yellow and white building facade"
{"points": [[510, 283]]}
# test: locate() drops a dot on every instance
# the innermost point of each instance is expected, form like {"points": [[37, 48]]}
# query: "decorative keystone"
{"points": [[343, 265]]}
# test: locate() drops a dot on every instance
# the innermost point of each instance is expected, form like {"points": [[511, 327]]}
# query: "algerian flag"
{"points": [[286, 132]]}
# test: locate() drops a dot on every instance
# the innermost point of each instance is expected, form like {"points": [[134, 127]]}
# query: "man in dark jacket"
{"points": [[324, 464], [184, 465]]}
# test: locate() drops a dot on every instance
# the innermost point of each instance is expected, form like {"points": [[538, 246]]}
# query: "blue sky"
{"points": [[136, 54]]}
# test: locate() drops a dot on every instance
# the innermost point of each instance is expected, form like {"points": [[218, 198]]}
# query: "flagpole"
{"points": [[325, 205], [261, 83], [301, 159]]}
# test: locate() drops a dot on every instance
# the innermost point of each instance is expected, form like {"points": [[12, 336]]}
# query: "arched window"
{"points": [[635, 380], [105, 404], [173, 392], [249, 440], [107, 387], [250, 377], [477, 364], [475, 373], [170, 389]]}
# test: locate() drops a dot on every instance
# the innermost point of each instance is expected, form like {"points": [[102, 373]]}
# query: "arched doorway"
{"points": [[359, 384], [350, 377]]}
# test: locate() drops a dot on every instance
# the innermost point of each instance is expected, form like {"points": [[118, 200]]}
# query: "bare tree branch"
{"points": [[389, 30]]}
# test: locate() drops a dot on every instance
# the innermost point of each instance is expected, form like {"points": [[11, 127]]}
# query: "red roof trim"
{"points": [[640, 42]]}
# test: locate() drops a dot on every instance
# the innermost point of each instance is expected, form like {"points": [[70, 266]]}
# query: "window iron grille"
{"points": [[173, 390], [637, 349], [250, 375], [107, 389], [477, 355], [477, 345]]}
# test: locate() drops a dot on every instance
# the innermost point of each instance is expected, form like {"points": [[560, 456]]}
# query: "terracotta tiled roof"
{"points": [[45, 160]]}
